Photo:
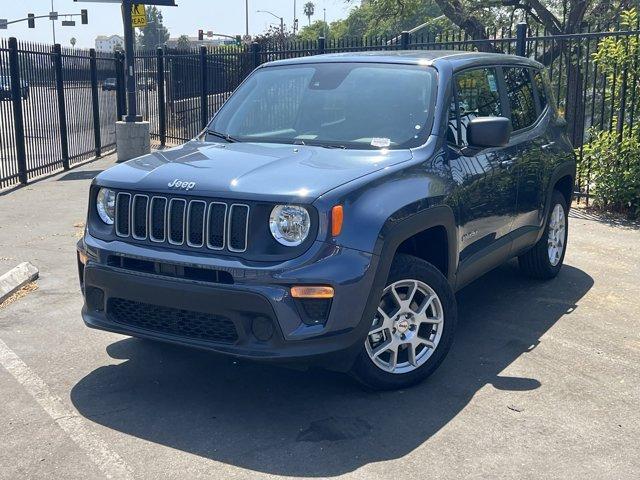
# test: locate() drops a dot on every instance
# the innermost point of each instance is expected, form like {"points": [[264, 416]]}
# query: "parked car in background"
{"points": [[5, 88], [148, 84], [109, 84], [332, 208]]}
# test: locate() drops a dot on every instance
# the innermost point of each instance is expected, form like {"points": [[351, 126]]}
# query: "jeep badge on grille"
{"points": [[182, 184]]}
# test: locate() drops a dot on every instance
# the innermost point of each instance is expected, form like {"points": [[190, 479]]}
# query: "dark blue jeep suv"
{"points": [[331, 209]]}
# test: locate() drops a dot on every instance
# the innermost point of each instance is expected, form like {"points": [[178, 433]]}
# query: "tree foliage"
{"points": [[183, 42], [611, 159], [309, 10], [155, 33]]}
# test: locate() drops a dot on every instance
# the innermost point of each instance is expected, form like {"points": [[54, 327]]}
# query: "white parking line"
{"points": [[109, 462]]}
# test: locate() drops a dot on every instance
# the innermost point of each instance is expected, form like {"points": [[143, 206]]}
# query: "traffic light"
{"points": [[84, 15], [238, 40], [200, 35], [31, 21]]}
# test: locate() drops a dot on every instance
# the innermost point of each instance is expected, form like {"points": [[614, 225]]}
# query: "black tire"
{"points": [[409, 267], [535, 263]]}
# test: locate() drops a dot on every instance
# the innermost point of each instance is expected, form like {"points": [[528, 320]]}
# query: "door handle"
{"points": [[548, 146]]}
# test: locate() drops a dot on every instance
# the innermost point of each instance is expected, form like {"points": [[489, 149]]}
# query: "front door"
{"points": [[486, 184]]}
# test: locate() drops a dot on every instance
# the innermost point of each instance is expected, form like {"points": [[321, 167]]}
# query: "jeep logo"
{"points": [[182, 184]]}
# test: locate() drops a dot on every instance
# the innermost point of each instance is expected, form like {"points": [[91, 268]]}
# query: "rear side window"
{"points": [[520, 95], [477, 96], [540, 86]]}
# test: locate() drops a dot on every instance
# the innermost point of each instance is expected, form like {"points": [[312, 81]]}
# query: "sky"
{"points": [[220, 16]]}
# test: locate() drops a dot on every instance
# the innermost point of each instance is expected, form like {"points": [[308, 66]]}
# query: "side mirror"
{"points": [[484, 132]]}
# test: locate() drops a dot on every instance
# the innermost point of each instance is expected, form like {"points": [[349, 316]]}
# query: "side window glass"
{"points": [[478, 96], [540, 86], [520, 95]]}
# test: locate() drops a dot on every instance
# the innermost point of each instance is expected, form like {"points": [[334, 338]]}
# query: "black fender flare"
{"points": [[565, 169]]}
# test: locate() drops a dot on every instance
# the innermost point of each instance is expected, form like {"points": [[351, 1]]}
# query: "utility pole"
{"points": [[324, 27], [132, 115], [53, 23], [246, 17], [295, 26]]}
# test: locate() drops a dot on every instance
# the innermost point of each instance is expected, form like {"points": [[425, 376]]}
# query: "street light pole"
{"points": [[278, 17], [132, 114], [246, 17], [294, 17], [53, 24]]}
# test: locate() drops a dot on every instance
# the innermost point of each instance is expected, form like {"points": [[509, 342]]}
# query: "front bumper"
{"points": [[255, 293]]}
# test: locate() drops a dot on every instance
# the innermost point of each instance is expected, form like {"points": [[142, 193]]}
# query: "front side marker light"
{"points": [[337, 217], [83, 257], [312, 292]]}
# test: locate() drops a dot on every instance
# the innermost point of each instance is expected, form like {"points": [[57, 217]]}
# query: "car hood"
{"points": [[248, 170]]}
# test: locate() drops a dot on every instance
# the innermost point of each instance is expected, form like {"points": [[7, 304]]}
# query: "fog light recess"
{"points": [[262, 328], [95, 299]]}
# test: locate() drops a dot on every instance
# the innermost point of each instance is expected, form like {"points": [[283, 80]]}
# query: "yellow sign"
{"points": [[138, 16]]}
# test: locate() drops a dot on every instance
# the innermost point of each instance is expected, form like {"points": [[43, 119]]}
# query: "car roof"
{"points": [[457, 59]]}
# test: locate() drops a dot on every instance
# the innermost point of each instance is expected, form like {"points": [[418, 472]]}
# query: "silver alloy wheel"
{"points": [[557, 235], [407, 328]]}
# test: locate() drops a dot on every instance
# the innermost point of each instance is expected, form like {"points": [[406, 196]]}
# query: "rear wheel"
{"points": [[545, 259], [412, 330]]}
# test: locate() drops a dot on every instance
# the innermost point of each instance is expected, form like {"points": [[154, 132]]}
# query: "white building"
{"points": [[194, 42], [109, 43]]}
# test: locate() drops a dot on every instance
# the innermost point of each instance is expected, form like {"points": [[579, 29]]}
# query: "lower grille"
{"points": [[173, 321]]}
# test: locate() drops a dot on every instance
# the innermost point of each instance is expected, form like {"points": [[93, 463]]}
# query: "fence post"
{"points": [[521, 39], [162, 116], [120, 94], [404, 40], [62, 109], [322, 45], [204, 115], [18, 118], [93, 65], [255, 55]]}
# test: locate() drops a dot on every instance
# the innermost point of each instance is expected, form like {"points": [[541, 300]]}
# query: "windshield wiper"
{"points": [[341, 147], [224, 136]]}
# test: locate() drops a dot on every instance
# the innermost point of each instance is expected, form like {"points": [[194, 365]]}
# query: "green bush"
{"points": [[610, 161], [612, 165]]}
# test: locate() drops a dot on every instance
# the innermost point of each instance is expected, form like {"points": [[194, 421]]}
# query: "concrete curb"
{"points": [[16, 278]]}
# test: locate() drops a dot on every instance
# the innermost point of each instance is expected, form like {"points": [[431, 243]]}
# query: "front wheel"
{"points": [[412, 330]]}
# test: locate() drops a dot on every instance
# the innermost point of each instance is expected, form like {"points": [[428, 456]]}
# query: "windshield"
{"points": [[347, 105]]}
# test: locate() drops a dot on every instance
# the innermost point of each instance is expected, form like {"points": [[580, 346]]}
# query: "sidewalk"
{"points": [[42, 221]]}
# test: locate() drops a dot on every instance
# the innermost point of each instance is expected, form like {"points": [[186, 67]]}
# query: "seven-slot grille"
{"points": [[180, 221]]}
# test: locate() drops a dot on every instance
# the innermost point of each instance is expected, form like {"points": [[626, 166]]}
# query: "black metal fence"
{"points": [[53, 112], [69, 118], [198, 81]]}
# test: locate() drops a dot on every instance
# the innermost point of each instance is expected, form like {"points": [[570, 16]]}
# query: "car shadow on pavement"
{"points": [[317, 423]]}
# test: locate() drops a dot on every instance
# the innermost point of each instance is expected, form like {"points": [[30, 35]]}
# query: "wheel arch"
{"points": [[415, 234], [562, 176]]}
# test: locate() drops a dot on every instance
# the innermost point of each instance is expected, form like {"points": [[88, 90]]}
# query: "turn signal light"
{"points": [[312, 292], [83, 257], [337, 216]]}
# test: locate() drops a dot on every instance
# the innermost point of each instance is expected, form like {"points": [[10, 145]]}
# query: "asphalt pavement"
{"points": [[542, 381]]}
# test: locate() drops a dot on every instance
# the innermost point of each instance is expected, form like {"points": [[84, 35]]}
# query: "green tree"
{"points": [[309, 10], [314, 31], [155, 34], [388, 17], [611, 159], [183, 42]]}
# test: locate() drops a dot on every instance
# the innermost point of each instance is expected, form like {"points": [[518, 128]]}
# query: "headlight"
{"points": [[289, 224], [106, 205]]}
